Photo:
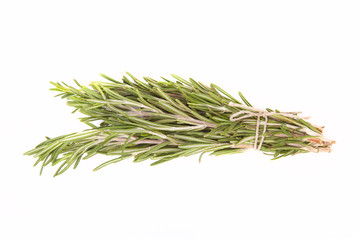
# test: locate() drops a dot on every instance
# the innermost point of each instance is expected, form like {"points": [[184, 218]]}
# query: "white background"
{"points": [[289, 55]]}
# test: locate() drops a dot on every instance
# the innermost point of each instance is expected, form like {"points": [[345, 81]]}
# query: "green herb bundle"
{"points": [[163, 120]]}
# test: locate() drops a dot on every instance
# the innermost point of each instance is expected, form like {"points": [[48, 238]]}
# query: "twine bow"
{"points": [[255, 112]]}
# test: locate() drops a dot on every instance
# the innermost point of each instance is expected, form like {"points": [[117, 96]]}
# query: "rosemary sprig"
{"points": [[163, 120]]}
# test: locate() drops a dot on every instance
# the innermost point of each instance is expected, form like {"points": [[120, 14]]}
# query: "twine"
{"points": [[255, 112]]}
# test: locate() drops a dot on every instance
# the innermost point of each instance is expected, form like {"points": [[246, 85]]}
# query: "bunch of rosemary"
{"points": [[163, 120]]}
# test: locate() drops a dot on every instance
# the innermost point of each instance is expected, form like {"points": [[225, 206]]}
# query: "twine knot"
{"points": [[248, 112]]}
